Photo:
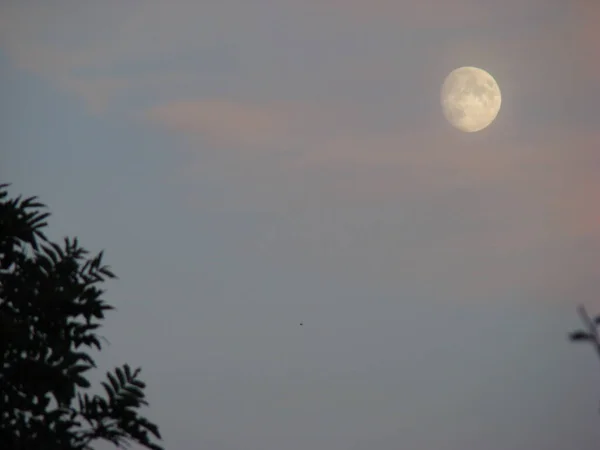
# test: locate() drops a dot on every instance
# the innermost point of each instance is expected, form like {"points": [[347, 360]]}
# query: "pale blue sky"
{"points": [[248, 165]]}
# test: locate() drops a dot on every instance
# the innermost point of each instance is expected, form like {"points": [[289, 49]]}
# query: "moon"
{"points": [[470, 99]]}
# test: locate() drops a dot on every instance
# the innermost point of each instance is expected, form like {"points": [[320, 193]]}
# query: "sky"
{"points": [[250, 165]]}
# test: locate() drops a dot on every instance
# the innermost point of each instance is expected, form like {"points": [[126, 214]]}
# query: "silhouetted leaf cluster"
{"points": [[582, 336], [50, 308], [591, 334]]}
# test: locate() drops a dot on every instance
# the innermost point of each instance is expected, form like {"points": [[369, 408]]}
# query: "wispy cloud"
{"points": [[257, 43], [327, 103], [97, 92], [223, 122], [348, 162]]}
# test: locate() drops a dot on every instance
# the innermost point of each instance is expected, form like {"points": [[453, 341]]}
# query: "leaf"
{"points": [[578, 336], [85, 357], [109, 391], [16, 201], [95, 263], [76, 370], [113, 381], [153, 429], [45, 264], [35, 223], [57, 249], [90, 327], [107, 272], [126, 401], [40, 235], [81, 403], [127, 372], [138, 383], [135, 392], [92, 341], [121, 376], [53, 256], [31, 203], [80, 381]]}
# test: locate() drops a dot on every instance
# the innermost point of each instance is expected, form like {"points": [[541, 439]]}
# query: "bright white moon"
{"points": [[470, 99]]}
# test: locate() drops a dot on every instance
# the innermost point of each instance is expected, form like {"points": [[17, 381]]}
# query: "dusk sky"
{"points": [[250, 165]]}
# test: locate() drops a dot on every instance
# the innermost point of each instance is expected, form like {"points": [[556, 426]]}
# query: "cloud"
{"points": [[99, 35], [478, 217], [223, 122], [54, 39], [322, 105], [515, 210], [254, 125], [554, 171], [363, 148], [97, 92], [233, 46], [95, 49]]}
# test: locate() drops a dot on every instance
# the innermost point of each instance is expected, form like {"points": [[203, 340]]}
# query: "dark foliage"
{"points": [[50, 310], [590, 335]]}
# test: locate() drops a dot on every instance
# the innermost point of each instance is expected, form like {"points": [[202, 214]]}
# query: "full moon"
{"points": [[470, 99]]}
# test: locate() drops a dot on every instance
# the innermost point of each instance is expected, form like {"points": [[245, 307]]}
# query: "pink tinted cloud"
{"points": [[557, 170], [514, 212], [507, 213], [95, 38], [222, 122], [553, 173], [97, 92], [332, 139], [250, 124]]}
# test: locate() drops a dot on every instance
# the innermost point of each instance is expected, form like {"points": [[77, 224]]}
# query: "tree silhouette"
{"points": [[590, 334], [50, 309]]}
